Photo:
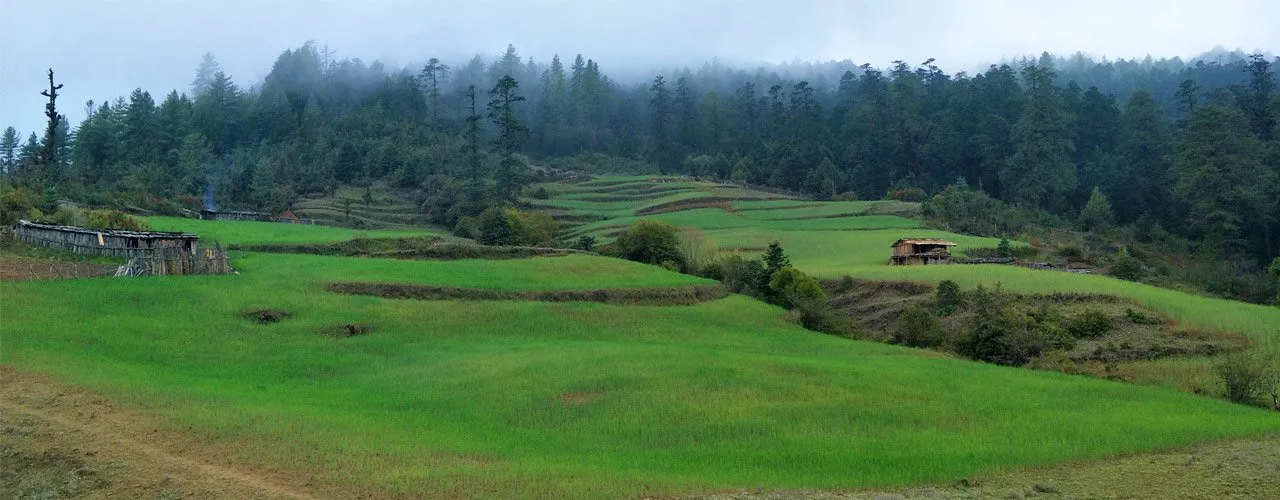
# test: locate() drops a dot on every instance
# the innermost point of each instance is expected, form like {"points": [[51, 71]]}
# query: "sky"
{"points": [[102, 49]]}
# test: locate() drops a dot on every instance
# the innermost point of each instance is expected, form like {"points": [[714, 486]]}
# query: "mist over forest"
{"points": [[1049, 136]]}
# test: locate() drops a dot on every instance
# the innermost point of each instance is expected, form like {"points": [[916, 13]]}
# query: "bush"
{"points": [[508, 226], [532, 228], [845, 196], [1141, 318], [995, 334], [948, 297], [1005, 249], [912, 194], [493, 228], [1126, 267], [1249, 376], [737, 274], [17, 203], [541, 193], [1088, 324], [467, 227], [789, 287], [650, 242], [586, 243], [919, 327], [114, 219], [696, 250]]}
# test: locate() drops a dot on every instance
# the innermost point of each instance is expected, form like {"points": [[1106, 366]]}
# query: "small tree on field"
{"points": [[651, 242], [792, 288], [1005, 249], [948, 297]]}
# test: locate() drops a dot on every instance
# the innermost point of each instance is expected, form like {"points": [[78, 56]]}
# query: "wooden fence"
{"points": [[204, 261]]}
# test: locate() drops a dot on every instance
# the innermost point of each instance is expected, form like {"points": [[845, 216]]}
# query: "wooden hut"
{"points": [[921, 252], [234, 215], [146, 252], [105, 242]]}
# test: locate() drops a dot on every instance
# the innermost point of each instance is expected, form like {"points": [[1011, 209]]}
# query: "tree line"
{"points": [[1188, 147]]}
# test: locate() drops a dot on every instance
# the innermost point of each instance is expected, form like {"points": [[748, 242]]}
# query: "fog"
{"points": [[101, 50]]}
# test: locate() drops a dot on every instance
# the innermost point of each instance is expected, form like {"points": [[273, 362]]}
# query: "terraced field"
{"points": [[532, 399], [834, 239]]}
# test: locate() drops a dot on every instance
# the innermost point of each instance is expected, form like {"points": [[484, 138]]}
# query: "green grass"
{"points": [[526, 399], [249, 233]]}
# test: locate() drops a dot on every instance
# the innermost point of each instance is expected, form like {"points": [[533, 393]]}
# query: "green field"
{"points": [[552, 400], [252, 233]]}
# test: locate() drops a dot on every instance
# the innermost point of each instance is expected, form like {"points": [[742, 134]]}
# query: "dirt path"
{"points": [[62, 442], [14, 268]]}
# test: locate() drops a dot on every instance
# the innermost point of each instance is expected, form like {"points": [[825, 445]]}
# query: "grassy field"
{"points": [[250, 233], [534, 399], [553, 400]]}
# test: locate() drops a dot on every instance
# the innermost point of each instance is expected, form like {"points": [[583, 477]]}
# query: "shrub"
{"points": [[994, 333], [1005, 249], [845, 196], [114, 219], [493, 227], [1126, 267], [735, 272], [541, 193], [919, 327], [1070, 252], [17, 203], [789, 288], [586, 243], [532, 228], [1249, 376], [696, 250], [1088, 324], [948, 297], [1141, 318], [913, 194], [467, 227], [651, 242]]}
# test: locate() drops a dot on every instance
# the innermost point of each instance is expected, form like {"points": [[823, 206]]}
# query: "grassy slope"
{"points": [[863, 252], [536, 399], [247, 233]]}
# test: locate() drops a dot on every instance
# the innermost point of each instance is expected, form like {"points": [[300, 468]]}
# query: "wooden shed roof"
{"points": [[146, 235], [923, 241]]}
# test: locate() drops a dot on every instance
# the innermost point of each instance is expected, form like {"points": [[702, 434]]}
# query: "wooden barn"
{"points": [[287, 216], [921, 252], [233, 215], [146, 252]]}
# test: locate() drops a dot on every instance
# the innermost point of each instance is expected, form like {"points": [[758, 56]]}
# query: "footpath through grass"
{"points": [[530, 399]]}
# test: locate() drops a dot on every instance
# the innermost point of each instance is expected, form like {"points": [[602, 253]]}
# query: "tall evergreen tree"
{"points": [[511, 175], [205, 74], [659, 126], [1041, 173], [1217, 176], [8, 151]]}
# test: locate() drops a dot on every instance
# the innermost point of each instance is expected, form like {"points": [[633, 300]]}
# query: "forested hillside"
{"points": [[1187, 152]]}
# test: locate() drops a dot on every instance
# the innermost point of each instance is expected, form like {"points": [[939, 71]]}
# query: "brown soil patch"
{"points": [[690, 204], [59, 442], [664, 296], [347, 330], [25, 268], [579, 398], [266, 316]]}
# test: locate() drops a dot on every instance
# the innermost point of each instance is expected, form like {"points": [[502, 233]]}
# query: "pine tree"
{"points": [[1096, 214], [1256, 98], [659, 128], [510, 177], [433, 75], [1040, 173], [1217, 173], [205, 74], [8, 151]]}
